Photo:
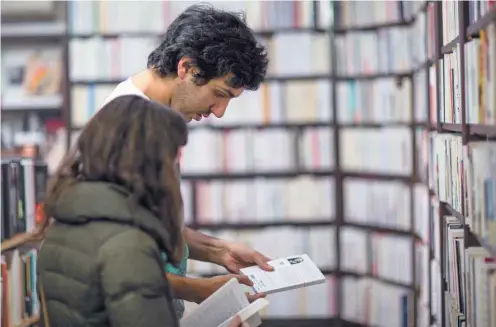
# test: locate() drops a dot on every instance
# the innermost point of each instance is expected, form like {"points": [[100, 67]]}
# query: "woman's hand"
{"points": [[208, 286], [236, 322]]}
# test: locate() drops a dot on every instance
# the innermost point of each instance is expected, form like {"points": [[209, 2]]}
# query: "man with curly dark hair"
{"points": [[206, 58]]}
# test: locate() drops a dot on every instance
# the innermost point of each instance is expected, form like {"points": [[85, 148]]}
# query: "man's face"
{"points": [[196, 102]]}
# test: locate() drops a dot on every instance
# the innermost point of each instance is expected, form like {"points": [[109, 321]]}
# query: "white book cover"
{"points": [[289, 273], [219, 308]]}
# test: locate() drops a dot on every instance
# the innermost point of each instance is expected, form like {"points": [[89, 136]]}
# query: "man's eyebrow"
{"points": [[228, 92]]}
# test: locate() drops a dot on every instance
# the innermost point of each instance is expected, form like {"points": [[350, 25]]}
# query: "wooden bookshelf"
{"points": [[467, 133]]}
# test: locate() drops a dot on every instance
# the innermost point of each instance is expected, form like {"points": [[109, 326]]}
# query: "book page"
{"points": [[291, 272], [220, 306], [250, 314]]}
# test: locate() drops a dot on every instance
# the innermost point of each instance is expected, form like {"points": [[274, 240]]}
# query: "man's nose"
{"points": [[219, 109]]}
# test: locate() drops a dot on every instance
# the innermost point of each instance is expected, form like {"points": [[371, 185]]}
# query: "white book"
{"points": [[219, 308], [289, 273]]}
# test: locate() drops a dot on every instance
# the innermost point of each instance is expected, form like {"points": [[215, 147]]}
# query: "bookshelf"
{"points": [[380, 119], [323, 184], [23, 183], [461, 146], [32, 81]]}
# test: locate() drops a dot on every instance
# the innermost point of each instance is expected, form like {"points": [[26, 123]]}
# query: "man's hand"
{"points": [[208, 286], [235, 256]]}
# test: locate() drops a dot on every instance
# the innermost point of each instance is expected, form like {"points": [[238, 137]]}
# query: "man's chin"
{"points": [[190, 118]]}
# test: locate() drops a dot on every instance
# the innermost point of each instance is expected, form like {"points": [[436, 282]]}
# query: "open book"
{"points": [[289, 273], [219, 308]]}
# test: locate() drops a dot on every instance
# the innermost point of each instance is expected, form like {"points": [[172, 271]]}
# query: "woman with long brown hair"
{"points": [[112, 208]]}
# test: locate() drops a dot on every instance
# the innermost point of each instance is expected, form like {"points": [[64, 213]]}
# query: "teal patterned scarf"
{"points": [[180, 271]]}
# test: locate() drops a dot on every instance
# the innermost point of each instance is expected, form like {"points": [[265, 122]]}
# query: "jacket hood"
{"points": [[87, 201]]}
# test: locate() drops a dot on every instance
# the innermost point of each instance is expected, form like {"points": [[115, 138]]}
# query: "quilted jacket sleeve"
{"points": [[136, 291]]}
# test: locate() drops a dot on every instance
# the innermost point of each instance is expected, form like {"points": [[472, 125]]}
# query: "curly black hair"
{"points": [[218, 43]]}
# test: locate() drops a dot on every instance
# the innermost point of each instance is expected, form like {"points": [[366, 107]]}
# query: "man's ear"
{"points": [[185, 66]]}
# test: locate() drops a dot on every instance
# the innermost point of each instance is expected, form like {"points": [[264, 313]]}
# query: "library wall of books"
{"points": [[370, 147]]}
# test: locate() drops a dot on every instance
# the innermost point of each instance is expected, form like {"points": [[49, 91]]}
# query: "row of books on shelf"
{"points": [[432, 29], [433, 87], [463, 176], [23, 186], [372, 250], [259, 200], [373, 303], [419, 46], [372, 52], [19, 300], [479, 164], [450, 21], [477, 9], [445, 168], [247, 150], [436, 292], [421, 109], [474, 12], [450, 94], [378, 203], [99, 58], [385, 150], [470, 277], [479, 85], [383, 204], [154, 17], [362, 14], [415, 33], [480, 279], [452, 260], [387, 204], [376, 101]]}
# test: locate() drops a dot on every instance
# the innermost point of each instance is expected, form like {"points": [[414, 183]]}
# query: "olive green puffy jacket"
{"points": [[100, 263]]}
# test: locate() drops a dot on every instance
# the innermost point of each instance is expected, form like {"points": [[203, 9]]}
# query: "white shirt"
{"points": [[125, 88]]}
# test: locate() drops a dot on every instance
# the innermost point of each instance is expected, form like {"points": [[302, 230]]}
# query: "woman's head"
{"points": [[132, 142]]}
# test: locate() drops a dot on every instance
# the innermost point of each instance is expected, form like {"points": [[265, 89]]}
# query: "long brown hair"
{"points": [[132, 142]]}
